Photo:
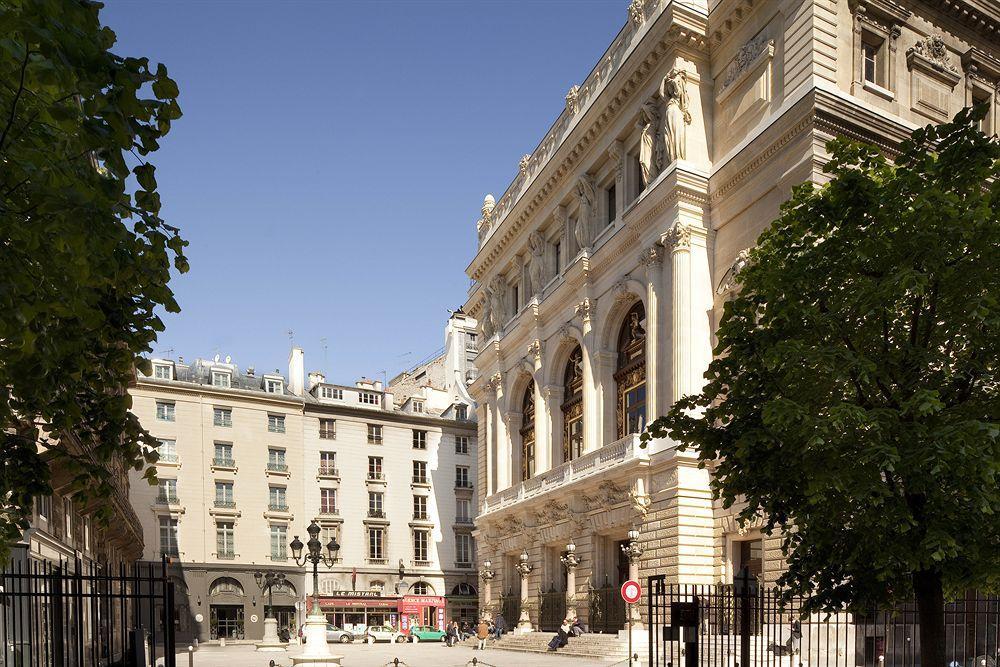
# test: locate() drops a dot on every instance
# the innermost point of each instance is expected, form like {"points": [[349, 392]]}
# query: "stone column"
{"points": [[553, 394], [543, 429], [489, 435], [524, 569], [652, 259], [591, 421], [691, 336], [504, 453], [487, 574], [570, 560]]}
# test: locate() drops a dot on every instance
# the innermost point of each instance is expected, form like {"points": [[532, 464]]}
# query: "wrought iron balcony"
{"points": [[277, 467], [463, 519], [376, 514], [224, 462], [328, 509], [225, 555], [277, 507], [167, 499], [329, 471], [168, 457], [375, 476], [226, 504]]}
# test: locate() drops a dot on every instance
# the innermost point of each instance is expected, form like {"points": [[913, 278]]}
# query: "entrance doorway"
{"points": [[286, 621], [226, 621], [749, 554]]}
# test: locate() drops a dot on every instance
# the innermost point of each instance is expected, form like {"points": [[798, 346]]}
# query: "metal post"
{"points": [[190, 656], [629, 612]]}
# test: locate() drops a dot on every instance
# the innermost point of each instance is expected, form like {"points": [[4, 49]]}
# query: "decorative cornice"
{"points": [[979, 15], [724, 25], [573, 100]]}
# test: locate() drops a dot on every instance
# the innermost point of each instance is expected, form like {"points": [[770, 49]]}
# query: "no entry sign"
{"points": [[631, 591]]}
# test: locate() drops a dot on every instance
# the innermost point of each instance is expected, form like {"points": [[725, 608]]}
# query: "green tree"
{"points": [[84, 256], [853, 401]]}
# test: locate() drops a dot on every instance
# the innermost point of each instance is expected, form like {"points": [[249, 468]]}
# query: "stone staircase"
{"points": [[587, 645]]}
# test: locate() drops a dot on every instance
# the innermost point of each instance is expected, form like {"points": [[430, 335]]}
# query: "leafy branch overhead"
{"points": [[85, 258], [853, 401]]}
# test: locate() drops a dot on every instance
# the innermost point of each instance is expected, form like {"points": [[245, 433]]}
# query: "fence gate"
{"points": [[743, 625], [607, 610], [510, 607], [551, 609], [76, 614]]}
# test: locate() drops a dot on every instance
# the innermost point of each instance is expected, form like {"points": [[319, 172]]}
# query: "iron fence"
{"points": [[77, 614], [510, 607], [729, 626], [551, 609], [607, 610]]}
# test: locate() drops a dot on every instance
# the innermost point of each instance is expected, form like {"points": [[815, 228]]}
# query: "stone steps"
{"points": [[588, 645]]}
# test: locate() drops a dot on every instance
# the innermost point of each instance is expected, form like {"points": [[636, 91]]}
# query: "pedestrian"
{"points": [[453, 635], [561, 638], [577, 628], [482, 632], [500, 627]]}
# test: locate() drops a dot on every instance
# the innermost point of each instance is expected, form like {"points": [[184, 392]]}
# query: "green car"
{"points": [[425, 633]]}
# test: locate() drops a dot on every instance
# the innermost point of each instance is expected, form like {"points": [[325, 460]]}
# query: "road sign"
{"points": [[631, 591]]}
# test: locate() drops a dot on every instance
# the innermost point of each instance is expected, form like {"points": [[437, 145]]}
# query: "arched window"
{"points": [[225, 586], [283, 587], [572, 407], [464, 590], [528, 432], [630, 375], [421, 588]]}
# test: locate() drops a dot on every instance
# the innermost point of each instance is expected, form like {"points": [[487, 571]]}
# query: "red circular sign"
{"points": [[631, 591]]}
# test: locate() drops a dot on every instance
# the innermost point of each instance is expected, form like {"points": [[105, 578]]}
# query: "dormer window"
{"points": [[163, 371], [331, 393], [368, 398], [461, 412], [418, 406], [274, 386], [222, 379]]}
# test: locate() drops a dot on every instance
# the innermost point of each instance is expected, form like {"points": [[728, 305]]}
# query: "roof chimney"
{"points": [[296, 371], [315, 378]]}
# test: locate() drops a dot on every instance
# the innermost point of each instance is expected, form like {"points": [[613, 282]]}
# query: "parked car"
{"points": [[384, 633], [425, 633], [333, 634]]}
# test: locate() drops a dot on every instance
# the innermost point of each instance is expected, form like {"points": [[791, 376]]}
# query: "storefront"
{"points": [[358, 610]]}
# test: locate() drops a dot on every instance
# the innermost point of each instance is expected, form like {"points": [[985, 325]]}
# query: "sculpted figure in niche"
{"points": [[588, 198], [676, 115], [648, 119], [536, 257], [495, 294]]}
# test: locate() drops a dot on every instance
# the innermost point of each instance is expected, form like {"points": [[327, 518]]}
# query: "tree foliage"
{"points": [[853, 401], [85, 258]]}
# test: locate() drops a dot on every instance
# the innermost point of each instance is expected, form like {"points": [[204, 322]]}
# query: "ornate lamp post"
{"points": [[633, 551], [266, 581], [317, 653], [487, 574], [570, 560], [524, 568]]}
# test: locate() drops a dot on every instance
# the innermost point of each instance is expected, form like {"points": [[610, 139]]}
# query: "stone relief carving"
{"points": [[678, 236], [565, 336], [639, 498], [510, 524], [494, 310], [584, 309], [536, 261], [535, 349], [616, 152], [729, 281], [523, 165], [607, 495], [636, 13], [573, 100], [747, 54], [934, 50], [622, 293], [676, 116], [551, 512], [587, 195], [647, 124], [652, 255]]}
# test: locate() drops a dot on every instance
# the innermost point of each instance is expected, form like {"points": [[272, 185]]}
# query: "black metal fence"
{"points": [[695, 626], [607, 610], [76, 614], [551, 609], [510, 607]]}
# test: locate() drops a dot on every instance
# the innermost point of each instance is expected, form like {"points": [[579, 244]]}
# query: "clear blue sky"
{"points": [[333, 156]]}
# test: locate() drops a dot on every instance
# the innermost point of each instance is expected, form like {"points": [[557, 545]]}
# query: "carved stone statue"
{"points": [[536, 259], [494, 315], [676, 116], [648, 120], [588, 198]]}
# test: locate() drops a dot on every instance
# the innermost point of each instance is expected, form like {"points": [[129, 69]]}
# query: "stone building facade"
{"points": [[602, 271], [248, 460]]}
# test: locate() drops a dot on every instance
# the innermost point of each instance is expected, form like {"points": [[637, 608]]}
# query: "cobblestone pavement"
{"points": [[379, 655]]}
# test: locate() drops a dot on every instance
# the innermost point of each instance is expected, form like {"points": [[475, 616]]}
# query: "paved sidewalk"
{"points": [[378, 655]]}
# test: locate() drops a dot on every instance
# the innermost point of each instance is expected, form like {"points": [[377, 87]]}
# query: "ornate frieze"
{"points": [[524, 164], [607, 495], [551, 512], [573, 100], [744, 58], [637, 12]]}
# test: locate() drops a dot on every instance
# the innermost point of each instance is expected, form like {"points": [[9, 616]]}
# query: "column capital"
{"points": [[652, 256], [495, 382], [678, 237]]}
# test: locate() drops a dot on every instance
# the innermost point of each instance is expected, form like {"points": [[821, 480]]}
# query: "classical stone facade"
{"points": [[601, 273]]}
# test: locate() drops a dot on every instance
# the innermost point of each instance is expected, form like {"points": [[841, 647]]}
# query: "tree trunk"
{"points": [[930, 605]]}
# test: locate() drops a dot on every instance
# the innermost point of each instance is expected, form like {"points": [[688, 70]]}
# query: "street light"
{"points": [[266, 581], [315, 556]]}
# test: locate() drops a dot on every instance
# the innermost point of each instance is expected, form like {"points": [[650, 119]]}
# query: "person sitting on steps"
{"points": [[561, 638]]}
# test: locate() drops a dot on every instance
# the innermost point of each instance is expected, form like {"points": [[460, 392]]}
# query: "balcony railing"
{"points": [[463, 519], [277, 507], [328, 509], [168, 457], [167, 499], [329, 471], [279, 557], [619, 452], [224, 462], [226, 555], [376, 514], [328, 434], [377, 561], [421, 562], [375, 476], [463, 484], [277, 467], [420, 516], [225, 504], [419, 480]]}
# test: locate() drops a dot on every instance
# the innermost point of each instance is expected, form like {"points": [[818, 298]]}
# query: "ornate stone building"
{"points": [[602, 271]]}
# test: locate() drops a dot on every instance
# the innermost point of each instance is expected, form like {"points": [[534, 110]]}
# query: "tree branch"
{"points": [[17, 97]]}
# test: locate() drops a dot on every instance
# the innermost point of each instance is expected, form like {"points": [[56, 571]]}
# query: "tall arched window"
{"points": [[630, 376], [224, 586], [528, 432], [572, 407]]}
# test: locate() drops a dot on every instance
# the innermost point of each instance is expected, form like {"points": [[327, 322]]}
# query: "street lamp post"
{"points": [[487, 574], [266, 581], [633, 551], [570, 560], [524, 568], [317, 652]]}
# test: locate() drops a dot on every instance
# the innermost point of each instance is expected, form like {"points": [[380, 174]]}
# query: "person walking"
{"points": [[482, 632], [499, 627]]}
